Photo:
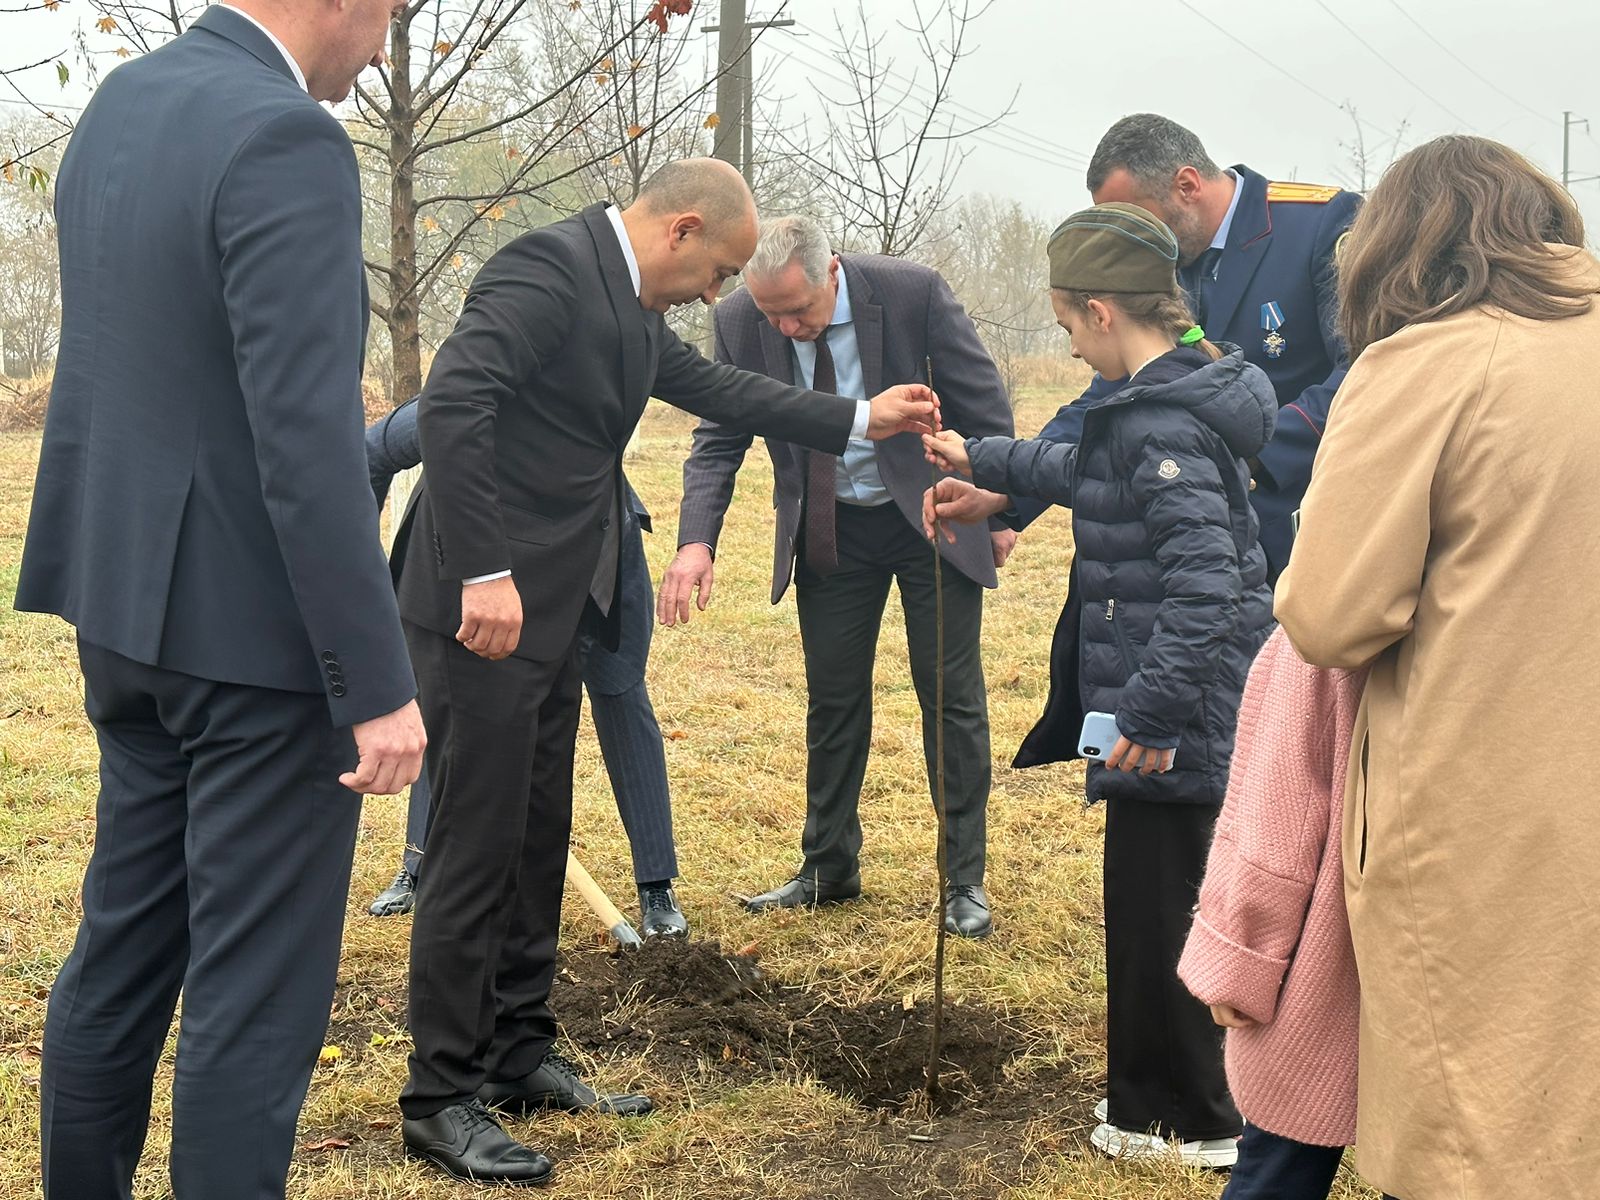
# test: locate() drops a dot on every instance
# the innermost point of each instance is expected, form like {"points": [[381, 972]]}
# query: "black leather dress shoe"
{"points": [[556, 1085], [466, 1142], [399, 897], [805, 892], [966, 911], [659, 914]]}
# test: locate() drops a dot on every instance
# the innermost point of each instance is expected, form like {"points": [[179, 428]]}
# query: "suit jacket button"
{"points": [[328, 656], [337, 690], [605, 522]]}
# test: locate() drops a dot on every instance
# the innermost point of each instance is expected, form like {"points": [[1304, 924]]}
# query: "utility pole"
{"points": [[1567, 123], [734, 139]]}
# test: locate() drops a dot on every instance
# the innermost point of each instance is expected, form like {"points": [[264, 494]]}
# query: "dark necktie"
{"points": [[1197, 279], [822, 541]]}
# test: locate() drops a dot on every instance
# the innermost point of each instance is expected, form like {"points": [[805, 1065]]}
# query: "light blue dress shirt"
{"points": [[856, 479]]}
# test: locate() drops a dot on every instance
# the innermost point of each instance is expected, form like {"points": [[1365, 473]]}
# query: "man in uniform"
{"points": [[1257, 259]]}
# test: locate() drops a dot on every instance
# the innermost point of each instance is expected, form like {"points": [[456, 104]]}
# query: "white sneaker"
{"points": [[1215, 1154], [1102, 1111]]}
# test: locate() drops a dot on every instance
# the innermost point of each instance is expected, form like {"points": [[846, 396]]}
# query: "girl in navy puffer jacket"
{"points": [[1174, 606]]}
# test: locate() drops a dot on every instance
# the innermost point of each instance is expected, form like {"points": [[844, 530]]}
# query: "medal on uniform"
{"points": [[1272, 341]]}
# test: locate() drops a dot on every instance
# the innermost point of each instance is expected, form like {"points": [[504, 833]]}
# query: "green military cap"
{"points": [[1113, 248]]}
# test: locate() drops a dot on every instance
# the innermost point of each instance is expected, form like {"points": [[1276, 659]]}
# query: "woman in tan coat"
{"points": [[1451, 538]]}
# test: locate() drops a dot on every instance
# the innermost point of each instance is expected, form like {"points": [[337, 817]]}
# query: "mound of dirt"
{"points": [[689, 1004]]}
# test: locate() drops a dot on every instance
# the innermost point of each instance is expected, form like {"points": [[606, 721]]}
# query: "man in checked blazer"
{"points": [[848, 525]]}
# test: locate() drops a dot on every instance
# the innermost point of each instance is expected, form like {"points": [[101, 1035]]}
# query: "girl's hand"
{"points": [[1129, 756], [947, 450], [1229, 1017]]}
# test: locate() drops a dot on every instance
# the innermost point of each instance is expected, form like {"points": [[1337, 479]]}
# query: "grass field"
{"points": [[730, 693]]}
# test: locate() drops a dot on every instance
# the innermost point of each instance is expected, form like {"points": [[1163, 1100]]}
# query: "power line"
{"points": [[1377, 54], [980, 136], [1032, 140], [1286, 73], [1466, 66]]}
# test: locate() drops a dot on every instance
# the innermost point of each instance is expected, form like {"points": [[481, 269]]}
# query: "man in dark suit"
{"points": [[524, 418], [202, 517], [625, 722], [1257, 259], [848, 526]]}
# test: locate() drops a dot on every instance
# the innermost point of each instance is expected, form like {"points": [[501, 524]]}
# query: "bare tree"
{"points": [[27, 144], [1368, 162], [891, 151]]}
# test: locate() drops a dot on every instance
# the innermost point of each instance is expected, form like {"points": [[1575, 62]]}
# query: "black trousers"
{"points": [[840, 615], [483, 942], [1164, 1053], [221, 867], [1271, 1167]]}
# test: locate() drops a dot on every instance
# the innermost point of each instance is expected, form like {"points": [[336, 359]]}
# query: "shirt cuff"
{"points": [[863, 419], [485, 578]]}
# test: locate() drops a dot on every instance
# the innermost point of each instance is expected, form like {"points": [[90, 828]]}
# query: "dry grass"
{"points": [[730, 693]]}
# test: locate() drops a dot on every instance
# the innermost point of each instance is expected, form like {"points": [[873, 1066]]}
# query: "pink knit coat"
{"points": [[1270, 935]]}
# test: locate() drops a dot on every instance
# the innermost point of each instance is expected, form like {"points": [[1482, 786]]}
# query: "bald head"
{"points": [[707, 186], [692, 227]]}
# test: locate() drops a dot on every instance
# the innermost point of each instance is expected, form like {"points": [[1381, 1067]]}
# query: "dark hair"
{"points": [[1152, 149], [1166, 311], [1458, 222]]}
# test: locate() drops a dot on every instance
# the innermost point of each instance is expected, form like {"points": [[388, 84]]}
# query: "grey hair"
{"points": [[1152, 149], [785, 240]]}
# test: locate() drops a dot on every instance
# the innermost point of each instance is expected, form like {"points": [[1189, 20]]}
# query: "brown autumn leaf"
{"points": [[429, 225], [713, 121], [442, 47], [457, 261], [513, 152], [635, 130], [52, 5], [9, 172], [606, 63], [677, 735], [123, 52], [496, 212], [331, 1143], [600, 79], [727, 1052], [749, 950], [106, 24]]}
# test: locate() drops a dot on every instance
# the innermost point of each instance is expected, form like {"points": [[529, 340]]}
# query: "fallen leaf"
{"points": [[727, 1052], [377, 1039], [329, 1055], [677, 735], [908, 1003], [749, 950], [327, 1144]]}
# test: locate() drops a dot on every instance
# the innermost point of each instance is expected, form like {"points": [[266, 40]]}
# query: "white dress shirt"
{"points": [[856, 479]]}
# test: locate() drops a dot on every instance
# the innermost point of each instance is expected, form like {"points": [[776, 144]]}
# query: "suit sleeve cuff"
{"points": [[485, 578]]}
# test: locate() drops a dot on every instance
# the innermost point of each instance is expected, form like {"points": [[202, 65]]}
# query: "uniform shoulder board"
{"points": [[1301, 193]]}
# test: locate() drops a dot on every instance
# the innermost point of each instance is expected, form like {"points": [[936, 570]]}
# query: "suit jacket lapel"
{"points": [[625, 305], [1248, 240], [776, 351], [868, 319]]}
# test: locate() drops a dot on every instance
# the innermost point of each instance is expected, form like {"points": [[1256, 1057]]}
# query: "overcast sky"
{"points": [[1261, 83]]}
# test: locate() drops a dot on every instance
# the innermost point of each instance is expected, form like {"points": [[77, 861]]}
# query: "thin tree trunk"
{"points": [[405, 299]]}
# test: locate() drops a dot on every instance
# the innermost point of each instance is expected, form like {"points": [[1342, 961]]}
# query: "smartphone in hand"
{"points": [[1099, 736]]}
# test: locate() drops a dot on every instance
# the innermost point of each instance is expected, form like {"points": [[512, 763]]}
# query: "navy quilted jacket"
{"points": [[1172, 600]]}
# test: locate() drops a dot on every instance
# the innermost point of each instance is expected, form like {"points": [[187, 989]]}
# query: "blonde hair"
{"points": [[1164, 311]]}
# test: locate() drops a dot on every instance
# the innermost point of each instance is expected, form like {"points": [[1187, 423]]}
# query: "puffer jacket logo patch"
{"points": [[1168, 469]]}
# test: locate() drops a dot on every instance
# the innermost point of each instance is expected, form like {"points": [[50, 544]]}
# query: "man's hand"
{"points": [[1003, 541], [947, 450], [1129, 756], [906, 408], [690, 573], [491, 618], [957, 500], [391, 752], [1229, 1017]]}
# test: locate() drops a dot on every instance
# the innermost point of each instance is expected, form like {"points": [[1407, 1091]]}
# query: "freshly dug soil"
{"points": [[688, 1003]]}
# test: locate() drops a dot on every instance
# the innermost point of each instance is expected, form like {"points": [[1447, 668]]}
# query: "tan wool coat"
{"points": [[1451, 536]]}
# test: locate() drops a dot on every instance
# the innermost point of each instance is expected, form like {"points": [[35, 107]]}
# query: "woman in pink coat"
{"points": [[1270, 947]]}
